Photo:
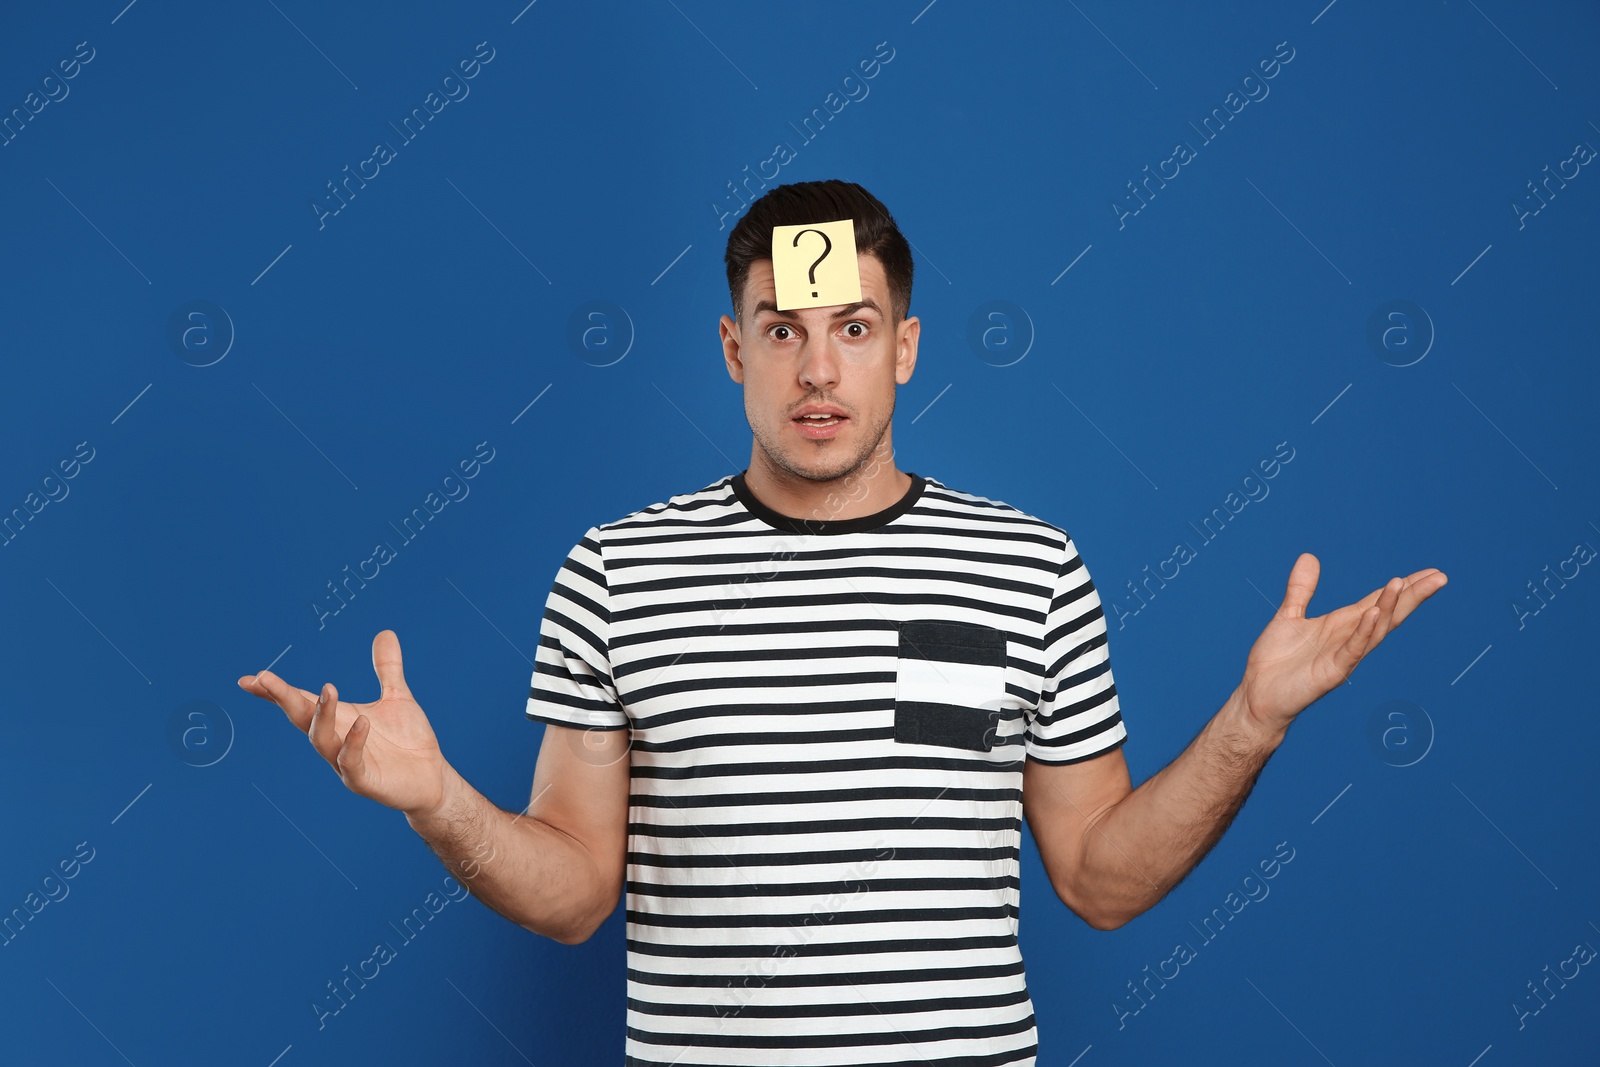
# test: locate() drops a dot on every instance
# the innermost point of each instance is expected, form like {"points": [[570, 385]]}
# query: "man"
{"points": [[800, 713]]}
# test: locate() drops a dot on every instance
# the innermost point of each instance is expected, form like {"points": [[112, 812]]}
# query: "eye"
{"points": [[856, 329], [772, 331]]}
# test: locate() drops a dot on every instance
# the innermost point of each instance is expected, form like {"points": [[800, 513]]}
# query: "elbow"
{"points": [[572, 933], [1098, 915], [1105, 920], [577, 937], [579, 929]]}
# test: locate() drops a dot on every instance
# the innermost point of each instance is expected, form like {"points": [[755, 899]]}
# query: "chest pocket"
{"points": [[950, 684]]}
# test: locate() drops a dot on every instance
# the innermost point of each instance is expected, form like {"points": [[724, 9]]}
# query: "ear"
{"points": [[729, 332], [905, 357]]}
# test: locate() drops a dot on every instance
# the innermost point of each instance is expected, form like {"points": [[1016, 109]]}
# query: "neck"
{"points": [[871, 487]]}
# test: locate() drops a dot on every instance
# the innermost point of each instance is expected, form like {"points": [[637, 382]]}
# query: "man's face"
{"points": [[843, 361]]}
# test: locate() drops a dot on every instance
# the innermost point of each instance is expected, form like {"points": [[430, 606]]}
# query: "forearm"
{"points": [[527, 870], [1145, 844]]}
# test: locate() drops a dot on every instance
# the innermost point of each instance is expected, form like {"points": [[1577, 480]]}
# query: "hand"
{"points": [[384, 750], [1296, 660]]}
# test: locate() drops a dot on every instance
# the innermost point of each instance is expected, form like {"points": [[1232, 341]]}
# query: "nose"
{"points": [[819, 365]]}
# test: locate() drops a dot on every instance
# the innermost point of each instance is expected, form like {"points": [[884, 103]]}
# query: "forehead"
{"points": [[759, 284]]}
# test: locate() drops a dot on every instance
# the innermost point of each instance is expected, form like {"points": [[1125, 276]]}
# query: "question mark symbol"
{"points": [[827, 246]]}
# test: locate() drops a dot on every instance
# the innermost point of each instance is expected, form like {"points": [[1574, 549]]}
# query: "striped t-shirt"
{"points": [[829, 721]]}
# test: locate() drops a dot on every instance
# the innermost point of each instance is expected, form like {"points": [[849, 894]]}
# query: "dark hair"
{"points": [[801, 203]]}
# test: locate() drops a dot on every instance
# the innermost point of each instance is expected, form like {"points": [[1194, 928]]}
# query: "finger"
{"points": [[251, 684], [351, 761], [1416, 578], [1302, 583], [295, 702], [386, 661], [247, 682], [1416, 588], [1361, 641], [324, 732], [1348, 654], [1388, 600], [1416, 591]]}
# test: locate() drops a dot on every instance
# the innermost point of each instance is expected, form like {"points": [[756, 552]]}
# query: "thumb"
{"points": [[1302, 583], [386, 661]]}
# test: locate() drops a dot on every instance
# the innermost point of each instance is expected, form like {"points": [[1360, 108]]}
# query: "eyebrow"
{"points": [[843, 313]]}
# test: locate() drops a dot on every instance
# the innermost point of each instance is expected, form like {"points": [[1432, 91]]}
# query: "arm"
{"points": [[557, 870], [1112, 852]]}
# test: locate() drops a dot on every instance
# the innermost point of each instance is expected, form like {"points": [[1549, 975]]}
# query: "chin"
{"points": [[830, 474], [827, 469], [825, 461]]}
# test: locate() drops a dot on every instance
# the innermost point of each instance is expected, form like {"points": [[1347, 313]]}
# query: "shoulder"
{"points": [[945, 504], [699, 511], [697, 508]]}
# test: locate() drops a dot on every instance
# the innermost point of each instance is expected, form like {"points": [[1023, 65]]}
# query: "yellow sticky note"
{"points": [[815, 265]]}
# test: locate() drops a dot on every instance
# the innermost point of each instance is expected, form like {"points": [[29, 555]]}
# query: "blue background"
{"points": [[1443, 852]]}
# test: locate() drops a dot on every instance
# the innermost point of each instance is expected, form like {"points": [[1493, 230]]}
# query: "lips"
{"points": [[819, 420], [818, 410]]}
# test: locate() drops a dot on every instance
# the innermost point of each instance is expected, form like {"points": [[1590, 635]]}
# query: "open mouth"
{"points": [[819, 425]]}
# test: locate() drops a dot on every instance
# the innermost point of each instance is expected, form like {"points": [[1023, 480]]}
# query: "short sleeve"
{"points": [[1078, 716], [572, 684]]}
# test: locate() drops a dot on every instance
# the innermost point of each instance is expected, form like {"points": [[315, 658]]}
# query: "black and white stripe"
{"points": [[829, 722]]}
